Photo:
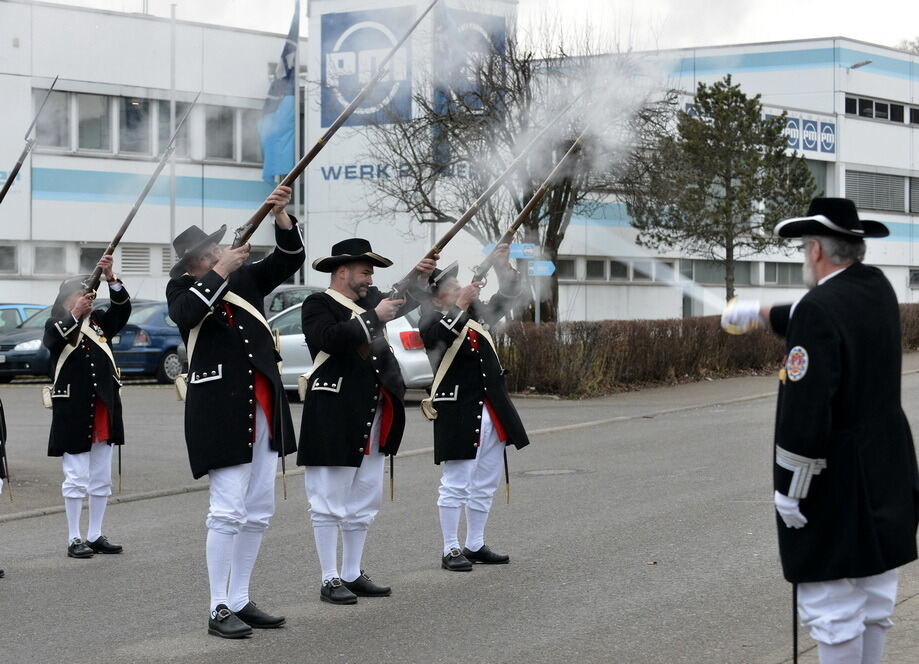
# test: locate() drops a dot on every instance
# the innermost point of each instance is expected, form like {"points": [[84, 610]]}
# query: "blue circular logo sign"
{"points": [[827, 137], [792, 133], [809, 134]]}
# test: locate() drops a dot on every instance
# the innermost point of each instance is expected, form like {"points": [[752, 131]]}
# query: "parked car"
{"points": [[403, 337], [12, 315], [21, 349], [286, 296], [148, 343]]}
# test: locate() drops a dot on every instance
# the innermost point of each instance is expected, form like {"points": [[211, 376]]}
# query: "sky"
{"points": [[627, 24]]}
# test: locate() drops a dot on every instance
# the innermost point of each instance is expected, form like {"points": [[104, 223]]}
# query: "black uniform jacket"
{"points": [[842, 442], [87, 373], [2, 443], [220, 404], [473, 376], [344, 393]]}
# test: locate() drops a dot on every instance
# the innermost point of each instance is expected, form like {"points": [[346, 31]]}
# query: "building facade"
{"points": [[853, 112]]}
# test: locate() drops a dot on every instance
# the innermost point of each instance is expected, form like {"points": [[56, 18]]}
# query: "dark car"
{"points": [[21, 349], [149, 343]]}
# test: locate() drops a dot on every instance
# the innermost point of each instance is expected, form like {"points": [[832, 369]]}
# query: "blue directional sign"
{"points": [[525, 250], [540, 268]]}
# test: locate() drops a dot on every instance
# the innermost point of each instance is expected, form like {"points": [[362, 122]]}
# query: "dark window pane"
{"points": [[565, 268], [914, 115], [914, 278], [866, 108], [134, 125], [896, 112], [770, 273], [53, 127], [251, 146], [880, 110], [8, 259], [49, 260], [89, 256], [851, 105], [219, 131], [163, 130], [618, 270], [596, 269], [94, 122]]}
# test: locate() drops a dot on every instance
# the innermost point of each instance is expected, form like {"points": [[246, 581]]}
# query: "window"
{"points": [[913, 278], [596, 269], [219, 132], [851, 105], [664, 271], [95, 122], [89, 256], [565, 268], [289, 323], [783, 274], [866, 108], [163, 132], [712, 272], [642, 270], [251, 146], [53, 126], [881, 110], [876, 191], [134, 125], [818, 171], [8, 262], [896, 112], [914, 115], [618, 270], [49, 260], [914, 194]]}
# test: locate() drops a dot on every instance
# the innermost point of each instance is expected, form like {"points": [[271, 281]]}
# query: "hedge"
{"points": [[585, 359]]}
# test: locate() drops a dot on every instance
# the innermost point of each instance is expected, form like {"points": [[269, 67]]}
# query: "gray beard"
{"points": [[810, 278]]}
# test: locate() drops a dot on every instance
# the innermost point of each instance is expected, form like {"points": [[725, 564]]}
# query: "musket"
{"points": [[30, 142], [242, 234], [91, 284], [481, 270], [403, 284]]}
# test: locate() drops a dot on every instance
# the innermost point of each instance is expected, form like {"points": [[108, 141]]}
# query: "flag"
{"points": [[276, 128]]}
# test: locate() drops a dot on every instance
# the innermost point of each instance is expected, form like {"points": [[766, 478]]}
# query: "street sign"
{"points": [[523, 250], [540, 268]]}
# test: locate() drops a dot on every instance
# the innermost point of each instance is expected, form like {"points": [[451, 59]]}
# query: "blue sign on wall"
{"points": [[793, 132], [540, 268], [828, 137], [809, 135], [353, 44]]}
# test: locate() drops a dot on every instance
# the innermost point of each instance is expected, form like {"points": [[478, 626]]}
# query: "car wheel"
{"points": [[6, 378], [169, 368]]}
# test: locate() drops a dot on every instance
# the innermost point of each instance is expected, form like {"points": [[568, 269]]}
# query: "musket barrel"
{"points": [[30, 142]]}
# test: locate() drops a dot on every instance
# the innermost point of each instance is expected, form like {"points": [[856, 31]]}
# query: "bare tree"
{"points": [[469, 125], [909, 45]]}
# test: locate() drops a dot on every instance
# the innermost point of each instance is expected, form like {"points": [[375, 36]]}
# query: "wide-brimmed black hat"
{"points": [[837, 217], [67, 288], [352, 250], [189, 243], [438, 276]]}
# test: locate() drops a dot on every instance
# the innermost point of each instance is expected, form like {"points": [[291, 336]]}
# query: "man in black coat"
{"points": [[237, 418], [474, 418], [86, 403], [353, 413], [845, 474]]}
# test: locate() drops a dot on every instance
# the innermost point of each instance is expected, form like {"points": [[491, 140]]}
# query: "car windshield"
{"points": [[39, 319], [143, 314]]}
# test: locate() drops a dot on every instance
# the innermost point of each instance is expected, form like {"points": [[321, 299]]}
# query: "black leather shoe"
{"points": [[362, 586], [226, 625], [486, 556], [78, 549], [255, 617], [455, 561], [2, 573], [335, 592], [102, 545]]}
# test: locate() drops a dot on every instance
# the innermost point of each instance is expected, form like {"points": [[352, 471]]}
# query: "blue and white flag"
{"points": [[276, 128]]}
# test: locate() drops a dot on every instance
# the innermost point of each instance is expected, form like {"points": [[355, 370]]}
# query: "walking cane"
{"points": [[392, 480], [507, 478], [794, 622]]}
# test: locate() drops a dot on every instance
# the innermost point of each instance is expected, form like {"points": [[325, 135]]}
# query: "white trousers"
{"points": [[243, 496], [839, 610], [472, 482], [345, 496], [88, 472]]}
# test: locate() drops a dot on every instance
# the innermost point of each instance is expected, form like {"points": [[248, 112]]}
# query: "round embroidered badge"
{"points": [[796, 364]]}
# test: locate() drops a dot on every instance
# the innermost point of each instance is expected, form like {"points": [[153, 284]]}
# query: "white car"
{"points": [[403, 337]]}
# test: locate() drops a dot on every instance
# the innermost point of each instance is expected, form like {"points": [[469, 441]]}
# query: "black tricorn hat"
{"points": [[837, 217], [189, 243], [352, 250], [438, 276]]}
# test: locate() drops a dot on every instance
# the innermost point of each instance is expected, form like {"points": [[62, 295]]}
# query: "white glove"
{"points": [[789, 511], [741, 316]]}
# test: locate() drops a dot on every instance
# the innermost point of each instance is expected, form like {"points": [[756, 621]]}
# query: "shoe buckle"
{"points": [[455, 553], [222, 614], [335, 583]]}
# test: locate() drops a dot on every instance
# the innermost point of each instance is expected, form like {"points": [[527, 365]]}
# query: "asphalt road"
{"points": [[640, 530]]}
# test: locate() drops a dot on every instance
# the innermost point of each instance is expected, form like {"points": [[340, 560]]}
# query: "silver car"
{"points": [[403, 337]]}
